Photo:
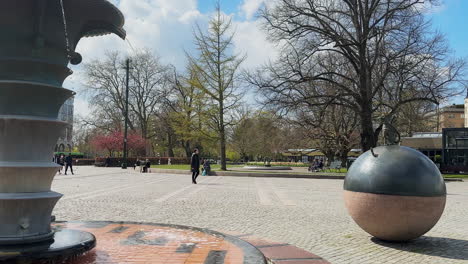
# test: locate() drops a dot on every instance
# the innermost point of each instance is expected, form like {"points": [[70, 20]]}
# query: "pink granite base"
{"points": [[393, 217]]}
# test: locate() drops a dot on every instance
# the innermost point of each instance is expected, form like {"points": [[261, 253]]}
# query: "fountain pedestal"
{"points": [[34, 54]]}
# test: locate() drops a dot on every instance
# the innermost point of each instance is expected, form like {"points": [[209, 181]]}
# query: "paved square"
{"points": [[308, 213]]}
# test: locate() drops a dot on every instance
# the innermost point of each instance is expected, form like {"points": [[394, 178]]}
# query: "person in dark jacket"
{"points": [[69, 163], [148, 165], [108, 160], [195, 164], [137, 163]]}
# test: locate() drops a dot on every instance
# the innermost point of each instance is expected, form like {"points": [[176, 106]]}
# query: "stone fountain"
{"points": [[37, 41]]}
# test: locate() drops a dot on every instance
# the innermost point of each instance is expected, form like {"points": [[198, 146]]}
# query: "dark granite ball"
{"points": [[397, 196], [395, 171]]}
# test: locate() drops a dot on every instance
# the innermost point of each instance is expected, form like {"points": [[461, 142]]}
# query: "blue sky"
{"points": [[452, 20], [166, 27], [228, 6]]}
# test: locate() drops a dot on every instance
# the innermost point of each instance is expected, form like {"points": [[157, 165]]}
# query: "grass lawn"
{"points": [[187, 167], [456, 176]]}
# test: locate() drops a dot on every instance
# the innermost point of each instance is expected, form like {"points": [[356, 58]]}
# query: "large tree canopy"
{"points": [[369, 56], [149, 86]]}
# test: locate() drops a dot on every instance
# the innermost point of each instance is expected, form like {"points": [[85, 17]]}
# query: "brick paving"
{"points": [[307, 213]]}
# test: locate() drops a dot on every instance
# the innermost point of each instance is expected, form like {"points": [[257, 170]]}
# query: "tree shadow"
{"points": [[432, 246]]}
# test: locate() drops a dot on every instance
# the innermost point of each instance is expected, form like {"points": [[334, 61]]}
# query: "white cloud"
{"points": [[250, 7], [165, 26], [82, 107], [429, 8], [252, 41]]}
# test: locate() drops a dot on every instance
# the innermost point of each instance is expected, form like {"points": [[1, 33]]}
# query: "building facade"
{"points": [[452, 116], [429, 143], [64, 143]]}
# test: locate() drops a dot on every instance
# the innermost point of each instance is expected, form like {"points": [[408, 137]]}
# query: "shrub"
{"points": [[287, 164]]}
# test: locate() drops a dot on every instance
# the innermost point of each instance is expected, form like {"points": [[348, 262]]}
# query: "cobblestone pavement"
{"points": [[308, 213]]}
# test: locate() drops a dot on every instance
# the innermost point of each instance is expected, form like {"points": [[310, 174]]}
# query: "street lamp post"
{"points": [[127, 69]]}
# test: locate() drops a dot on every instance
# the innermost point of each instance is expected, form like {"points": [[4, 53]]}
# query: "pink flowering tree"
{"points": [[112, 143]]}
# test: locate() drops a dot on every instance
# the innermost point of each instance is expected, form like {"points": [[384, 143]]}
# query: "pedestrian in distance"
{"points": [[206, 167], [320, 165], [148, 165], [108, 160], [60, 161], [195, 164], [69, 163], [138, 163]]}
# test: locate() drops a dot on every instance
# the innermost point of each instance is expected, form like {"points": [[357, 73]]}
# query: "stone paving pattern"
{"points": [[308, 213]]}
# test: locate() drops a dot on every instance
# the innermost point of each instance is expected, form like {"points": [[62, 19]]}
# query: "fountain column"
{"points": [[34, 54]]}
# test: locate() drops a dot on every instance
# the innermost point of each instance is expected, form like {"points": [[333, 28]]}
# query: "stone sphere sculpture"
{"points": [[394, 193]]}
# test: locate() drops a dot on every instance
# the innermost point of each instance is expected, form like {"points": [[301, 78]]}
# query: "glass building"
{"points": [[455, 149], [64, 143]]}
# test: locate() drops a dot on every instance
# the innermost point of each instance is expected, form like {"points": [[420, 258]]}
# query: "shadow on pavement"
{"points": [[432, 246]]}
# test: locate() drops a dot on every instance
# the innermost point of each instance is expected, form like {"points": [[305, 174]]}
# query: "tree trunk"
{"points": [[330, 159], [344, 161], [367, 133], [222, 136], [144, 135], [170, 144], [187, 148], [344, 158], [368, 139]]}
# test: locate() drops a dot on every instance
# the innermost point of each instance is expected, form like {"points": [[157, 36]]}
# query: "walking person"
{"points": [[195, 164], [60, 161], [148, 166], [69, 164]]}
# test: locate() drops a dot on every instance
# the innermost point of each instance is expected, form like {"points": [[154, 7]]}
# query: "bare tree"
{"points": [[334, 128], [149, 85], [377, 54], [415, 117], [216, 74], [260, 135]]}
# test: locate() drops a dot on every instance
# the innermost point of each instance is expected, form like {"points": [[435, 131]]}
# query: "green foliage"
{"points": [[233, 156], [215, 74], [263, 136]]}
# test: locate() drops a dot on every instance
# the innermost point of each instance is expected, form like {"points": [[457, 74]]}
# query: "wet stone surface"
{"points": [[127, 242]]}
